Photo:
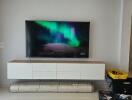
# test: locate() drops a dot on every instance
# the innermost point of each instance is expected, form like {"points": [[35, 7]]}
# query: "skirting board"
{"points": [[51, 87]]}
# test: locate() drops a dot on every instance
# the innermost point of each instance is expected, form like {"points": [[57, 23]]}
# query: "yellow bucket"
{"points": [[117, 74]]}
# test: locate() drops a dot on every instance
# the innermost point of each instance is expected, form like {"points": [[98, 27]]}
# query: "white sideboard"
{"points": [[65, 70]]}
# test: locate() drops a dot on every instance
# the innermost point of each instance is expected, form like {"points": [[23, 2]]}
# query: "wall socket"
{"points": [[1, 44]]}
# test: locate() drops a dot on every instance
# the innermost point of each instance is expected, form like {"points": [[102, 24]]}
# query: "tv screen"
{"points": [[57, 39]]}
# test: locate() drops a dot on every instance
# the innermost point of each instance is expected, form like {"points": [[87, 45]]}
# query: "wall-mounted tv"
{"points": [[57, 39]]}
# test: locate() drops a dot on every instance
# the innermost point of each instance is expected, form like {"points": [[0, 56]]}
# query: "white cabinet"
{"points": [[44, 75], [68, 71], [44, 70], [56, 70], [44, 67], [68, 67], [92, 71], [19, 71], [68, 75]]}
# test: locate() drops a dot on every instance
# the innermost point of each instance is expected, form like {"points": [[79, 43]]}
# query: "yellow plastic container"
{"points": [[117, 74]]}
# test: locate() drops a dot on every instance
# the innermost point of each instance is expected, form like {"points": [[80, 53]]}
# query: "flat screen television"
{"points": [[57, 39]]}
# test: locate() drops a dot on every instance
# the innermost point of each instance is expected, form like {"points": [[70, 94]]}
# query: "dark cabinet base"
{"points": [[122, 86]]}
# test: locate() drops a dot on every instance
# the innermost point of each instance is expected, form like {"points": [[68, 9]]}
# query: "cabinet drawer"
{"points": [[87, 76], [44, 75], [93, 68], [68, 75], [68, 67], [44, 67], [19, 71]]}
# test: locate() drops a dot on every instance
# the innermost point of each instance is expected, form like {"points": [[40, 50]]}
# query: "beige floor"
{"points": [[5, 95]]}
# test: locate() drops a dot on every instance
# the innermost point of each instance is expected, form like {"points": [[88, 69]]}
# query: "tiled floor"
{"points": [[5, 95]]}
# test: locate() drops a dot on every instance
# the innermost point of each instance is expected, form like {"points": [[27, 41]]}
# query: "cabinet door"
{"points": [[68, 67], [68, 75], [19, 71], [68, 71], [92, 71], [44, 70], [44, 67], [44, 75]]}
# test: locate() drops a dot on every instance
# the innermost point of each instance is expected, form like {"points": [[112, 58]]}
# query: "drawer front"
{"points": [[86, 76], [19, 71], [68, 67], [93, 68], [44, 67], [68, 75], [44, 75], [93, 71]]}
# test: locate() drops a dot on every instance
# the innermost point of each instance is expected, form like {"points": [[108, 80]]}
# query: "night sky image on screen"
{"points": [[63, 39]]}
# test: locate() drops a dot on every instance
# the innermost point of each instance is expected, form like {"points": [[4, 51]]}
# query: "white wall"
{"points": [[0, 48], [130, 56], [0, 67], [126, 34], [103, 14]]}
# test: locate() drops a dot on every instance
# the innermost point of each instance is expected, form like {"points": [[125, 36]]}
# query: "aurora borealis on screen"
{"points": [[57, 39], [60, 31]]}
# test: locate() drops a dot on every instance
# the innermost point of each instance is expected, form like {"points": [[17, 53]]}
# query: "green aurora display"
{"points": [[67, 31]]}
